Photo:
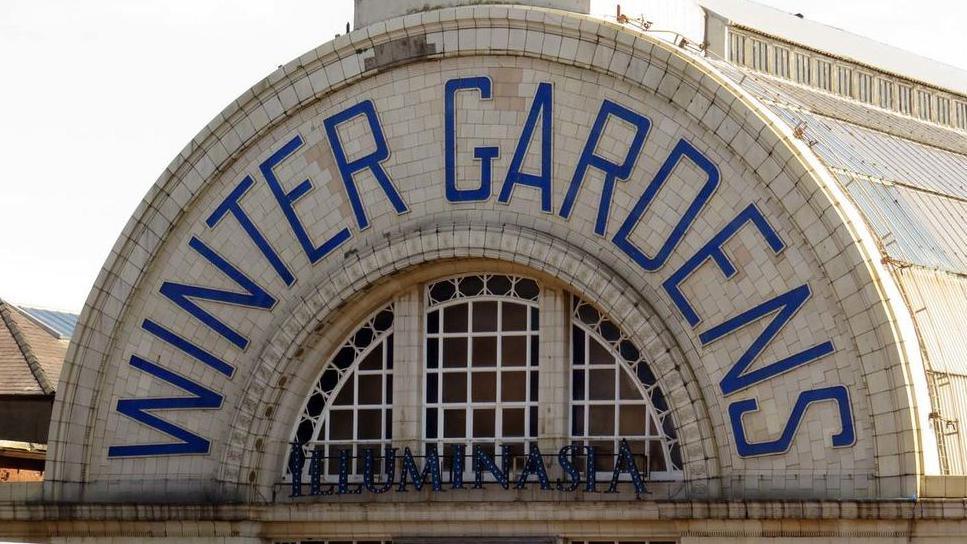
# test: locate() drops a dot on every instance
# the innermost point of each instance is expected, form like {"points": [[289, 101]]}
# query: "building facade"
{"points": [[519, 274]]}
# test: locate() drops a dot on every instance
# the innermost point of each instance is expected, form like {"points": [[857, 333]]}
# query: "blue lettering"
{"points": [[611, 170], [288, 199], [622, 239], [182, 295], [389, 460], [137, 409], [838, 394], [534, 465], [370, 162], [483, 462], [486, 155], [431, 468], [572, 478], [625, 462], [188, 348], [784, 306], [231, 205], [542, 107], [713, 250]]}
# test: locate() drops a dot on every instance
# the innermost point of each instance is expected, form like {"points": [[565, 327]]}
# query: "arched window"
{"points": [[482, 338], [469, 374], [615, 396], [351, 405]]}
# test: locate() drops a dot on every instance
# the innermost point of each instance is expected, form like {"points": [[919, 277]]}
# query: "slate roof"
{"points": [[31, 355]]}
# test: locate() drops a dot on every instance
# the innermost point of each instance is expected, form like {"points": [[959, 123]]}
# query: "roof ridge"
{"points": [[32, 362]]}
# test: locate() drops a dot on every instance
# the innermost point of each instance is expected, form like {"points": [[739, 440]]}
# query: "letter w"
{"points": [[137, 409], [182, 295], [785, 307]]}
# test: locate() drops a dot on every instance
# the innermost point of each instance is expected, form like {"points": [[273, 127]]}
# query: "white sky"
{"points": [[98, 97]]}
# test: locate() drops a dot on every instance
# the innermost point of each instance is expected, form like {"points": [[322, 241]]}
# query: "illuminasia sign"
{"points": [[533, 471]]}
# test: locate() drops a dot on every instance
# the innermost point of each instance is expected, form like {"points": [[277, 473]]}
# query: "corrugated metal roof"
{"points": [[938, 302], [62, 323], [913, 195], [912, 226], [839, 43]]}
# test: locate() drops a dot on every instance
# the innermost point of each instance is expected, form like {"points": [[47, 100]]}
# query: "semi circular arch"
{"points": [[781, 168]]}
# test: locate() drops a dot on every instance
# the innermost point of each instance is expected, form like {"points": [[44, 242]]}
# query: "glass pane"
{"points": [[485, 316], [454, 423], [605, 455], [471, 286], [513, 316], [513, 386], [370, 389], [346, 396], [431, 422], [484, 423], [454, 352], [373, 361], [513, 351], [484, 386], [656, 459], [432, 388], [370, 424], [513, 421], [535, 319], [432, 352], [577, 420], [598, 354], [601, 384], [527, 289], [577, 384], [455, 318], [632, 420], [455, 387], [601, 420], [433, 322], [577, 346], [627, 388], [340, 424], [485, 351]]}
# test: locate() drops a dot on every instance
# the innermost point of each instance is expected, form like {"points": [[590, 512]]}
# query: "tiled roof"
{"points": [[31, 356]]}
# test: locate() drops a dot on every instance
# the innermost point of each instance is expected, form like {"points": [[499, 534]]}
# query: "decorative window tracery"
{"points": [[480, 350], [615, 395], [481, 378], [351, 405]]}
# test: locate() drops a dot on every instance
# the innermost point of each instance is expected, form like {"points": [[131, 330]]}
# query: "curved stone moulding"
{"points": [[672, 199]]}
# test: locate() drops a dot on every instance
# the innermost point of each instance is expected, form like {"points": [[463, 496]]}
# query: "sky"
{"points": [[99, 96]]}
